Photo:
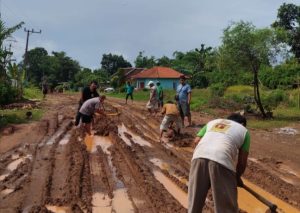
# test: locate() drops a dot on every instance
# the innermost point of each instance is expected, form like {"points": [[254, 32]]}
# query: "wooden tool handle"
{"points": [[272, 206]]}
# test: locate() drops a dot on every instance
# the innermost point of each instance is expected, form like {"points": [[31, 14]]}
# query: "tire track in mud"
{"points": [[131, 120], [136, 158], [43, 163]]}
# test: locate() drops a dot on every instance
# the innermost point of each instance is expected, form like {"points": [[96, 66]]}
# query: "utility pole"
{"points": [[26, 50]]}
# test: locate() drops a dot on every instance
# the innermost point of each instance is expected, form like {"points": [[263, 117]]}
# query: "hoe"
{"points": [[271, 206]]}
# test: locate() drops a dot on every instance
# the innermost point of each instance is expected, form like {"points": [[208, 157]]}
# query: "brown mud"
{"points": [[51, 166]]}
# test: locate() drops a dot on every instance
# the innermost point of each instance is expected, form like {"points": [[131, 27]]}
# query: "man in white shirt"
{"points": [[88, 109], [220, 143]]}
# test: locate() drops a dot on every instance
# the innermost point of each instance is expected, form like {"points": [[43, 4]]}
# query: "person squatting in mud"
{"points": [[172, 115], [220, 143], [86, 94], [88, 110]]}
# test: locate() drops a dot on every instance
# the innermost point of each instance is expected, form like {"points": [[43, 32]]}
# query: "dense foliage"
{"points": [[247, 56]]}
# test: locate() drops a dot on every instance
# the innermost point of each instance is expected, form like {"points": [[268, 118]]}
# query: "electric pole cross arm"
{"points": [[26, 50]]}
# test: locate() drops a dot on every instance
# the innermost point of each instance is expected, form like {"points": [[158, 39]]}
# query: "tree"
{"points": [[247, 48], [68, 67], [111, 63], [288, 18], [36, 69], [17, 75], [142, 61], [164, 61], [5, 33], [198, 60]]}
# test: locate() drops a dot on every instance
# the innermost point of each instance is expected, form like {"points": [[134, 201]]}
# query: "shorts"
{"points": [[168, 119], [86, 118], [184, 109]]}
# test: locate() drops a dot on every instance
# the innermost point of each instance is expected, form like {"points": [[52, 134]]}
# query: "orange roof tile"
{"points": [[158, 72]]}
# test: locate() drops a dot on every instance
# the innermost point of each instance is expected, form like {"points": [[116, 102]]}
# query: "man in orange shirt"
{"points": [[171, 113]]}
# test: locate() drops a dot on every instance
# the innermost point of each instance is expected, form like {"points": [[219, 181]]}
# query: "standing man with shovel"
{"points": [[219, 143]]}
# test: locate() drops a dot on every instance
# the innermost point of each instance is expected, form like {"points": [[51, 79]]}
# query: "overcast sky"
{"points": [[87, 29]]}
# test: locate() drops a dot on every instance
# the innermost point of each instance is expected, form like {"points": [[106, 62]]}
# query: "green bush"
{"points": [[32, 93], [7, 93], [273, 99], [217, 90]]}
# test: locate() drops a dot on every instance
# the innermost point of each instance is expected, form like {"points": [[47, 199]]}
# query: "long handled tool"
{"points": [[272, 206]]}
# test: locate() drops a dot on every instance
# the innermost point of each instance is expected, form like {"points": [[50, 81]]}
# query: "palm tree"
{"points": [[5, 33]]}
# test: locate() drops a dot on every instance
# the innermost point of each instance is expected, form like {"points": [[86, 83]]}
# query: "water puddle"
{"points": [[15, 156], [2, 177], [59, 209], [165, 166], [13, 165], [249, 203], [65, 139], [159, 163], [55, 136], [121, 202], [101, 202], [172, 188], [135, 138], [7, 191], [121, 130], [92, 141], [289, 170]]}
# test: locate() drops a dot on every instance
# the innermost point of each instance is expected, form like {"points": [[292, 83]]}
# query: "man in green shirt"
{"points": [[160, 94], [129, 91]]}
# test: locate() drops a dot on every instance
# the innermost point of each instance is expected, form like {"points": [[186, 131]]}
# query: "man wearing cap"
{"points": [[153, 100], [86, 94], [184, 94]]}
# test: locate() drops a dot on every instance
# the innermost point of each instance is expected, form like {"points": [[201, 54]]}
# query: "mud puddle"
{"points": [[172, 188], [101, 201], [59, 209], [135, 138], [249, 203], [13, 165]]}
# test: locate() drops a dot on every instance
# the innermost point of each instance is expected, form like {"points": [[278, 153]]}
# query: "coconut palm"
{"points": [[5, 33]]}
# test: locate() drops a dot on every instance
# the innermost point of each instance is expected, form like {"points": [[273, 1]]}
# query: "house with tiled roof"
{"points": [[130, 71], [168, 78]]}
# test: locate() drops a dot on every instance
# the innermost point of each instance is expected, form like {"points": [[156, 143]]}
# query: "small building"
{"points": [[168, 78]]}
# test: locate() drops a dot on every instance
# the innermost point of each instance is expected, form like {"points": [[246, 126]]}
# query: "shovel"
{"points": [[272, 206]]}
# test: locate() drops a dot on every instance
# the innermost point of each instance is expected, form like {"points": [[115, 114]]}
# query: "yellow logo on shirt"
{"points": [[220, 127]]}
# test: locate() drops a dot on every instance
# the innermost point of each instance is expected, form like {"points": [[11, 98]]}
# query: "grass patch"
{"points": [[141, 95], [32, 93], [283, 115], [18, 116], [239, 90], [267, 124]]}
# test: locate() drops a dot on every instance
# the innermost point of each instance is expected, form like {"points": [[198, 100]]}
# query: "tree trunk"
{"points": [[257, 94]]}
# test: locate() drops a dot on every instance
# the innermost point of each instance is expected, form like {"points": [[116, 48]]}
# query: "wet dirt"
{"points": [[51, 166]]}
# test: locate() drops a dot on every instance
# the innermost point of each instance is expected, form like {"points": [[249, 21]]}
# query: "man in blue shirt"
{"points": [[184, 93]]}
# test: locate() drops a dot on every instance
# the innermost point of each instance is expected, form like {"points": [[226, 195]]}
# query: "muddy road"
{"points": [[50, 166]]}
